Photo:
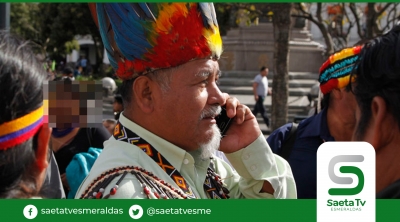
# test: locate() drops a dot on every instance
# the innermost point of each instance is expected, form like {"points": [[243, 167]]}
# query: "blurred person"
{"points": [[377, 92], [78, 71], [67, 73], [260, 91], [83, 63], [164, 142], [24, 152], [118, 106], [335, 122], [50, 74], [70, 105]]}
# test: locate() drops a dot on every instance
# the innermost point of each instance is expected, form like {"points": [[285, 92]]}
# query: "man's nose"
{"points": [[215, 95]]}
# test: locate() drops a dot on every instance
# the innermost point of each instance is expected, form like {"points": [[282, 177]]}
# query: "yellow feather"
{"points": [[214, 40], [163, 23]]}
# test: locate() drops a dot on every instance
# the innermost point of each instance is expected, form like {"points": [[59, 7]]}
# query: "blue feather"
{"points": [[101, 15], [143, 11], [208, 14], [128, 30], [147, 11]]}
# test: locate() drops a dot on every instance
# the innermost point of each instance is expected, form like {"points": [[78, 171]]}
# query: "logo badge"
{"points": [[135, 212], [346, 181], [30, 212]]}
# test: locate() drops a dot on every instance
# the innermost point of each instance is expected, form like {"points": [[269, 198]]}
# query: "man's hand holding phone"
{"points": [[243, 129]]}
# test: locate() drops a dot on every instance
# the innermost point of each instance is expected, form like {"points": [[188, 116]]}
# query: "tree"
{"points": [[66, 21], [303, 12], [281, 18], [374, 14], [24, 21], [335, 21], [54, 26], [280, 88]]}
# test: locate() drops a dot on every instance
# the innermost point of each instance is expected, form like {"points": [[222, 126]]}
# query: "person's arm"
{"points": [[276, 138], [255, 85], [269, 91], [249, 153], [260, 173]]}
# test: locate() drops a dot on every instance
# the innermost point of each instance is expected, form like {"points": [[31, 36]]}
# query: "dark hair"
{"points": [[378, 74], [161, 76], [67, 71], [325, 101], [126, 90], [21, 92], [118, 99], [263, 68]]}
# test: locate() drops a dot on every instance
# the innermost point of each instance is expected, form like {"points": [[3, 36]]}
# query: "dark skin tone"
{"points": [[382, 133]]}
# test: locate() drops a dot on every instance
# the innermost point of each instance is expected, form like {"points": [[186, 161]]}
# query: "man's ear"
{"points": [[143, 93], [378, 122], [42, 151]]}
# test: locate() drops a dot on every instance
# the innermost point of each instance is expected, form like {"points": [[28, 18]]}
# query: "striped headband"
{"points": [[335, 72], [19, 130]]}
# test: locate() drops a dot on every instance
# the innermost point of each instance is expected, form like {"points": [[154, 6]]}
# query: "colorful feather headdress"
{"points": [[335, 72], [143, 37]]}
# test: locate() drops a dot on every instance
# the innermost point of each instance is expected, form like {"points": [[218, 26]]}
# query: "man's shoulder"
{"points": [[119, 157], [114, 155], [278, 136], [280, 133], [257, 78]]}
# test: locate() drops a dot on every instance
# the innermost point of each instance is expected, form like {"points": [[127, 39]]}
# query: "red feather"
{"points": [[182, 42], [92, 7]]}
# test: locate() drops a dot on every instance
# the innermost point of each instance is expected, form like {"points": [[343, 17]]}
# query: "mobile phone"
{"points": [[223, 121]]}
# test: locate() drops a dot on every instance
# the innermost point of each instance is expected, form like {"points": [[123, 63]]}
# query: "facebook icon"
{"points": [[30, 212]]}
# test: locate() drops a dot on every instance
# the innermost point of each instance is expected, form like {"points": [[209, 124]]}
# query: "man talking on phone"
{"points": [[162, 147]]}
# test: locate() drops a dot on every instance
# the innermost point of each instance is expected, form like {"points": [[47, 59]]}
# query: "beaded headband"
{"points": [[335, 72], [20, 130]]}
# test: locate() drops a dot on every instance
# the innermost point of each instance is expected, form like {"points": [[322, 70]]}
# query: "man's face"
{"points": [[73, 104], [117, 107], [356, 135], [264, 72], [193, 92], [348, 104], [65, 112]]}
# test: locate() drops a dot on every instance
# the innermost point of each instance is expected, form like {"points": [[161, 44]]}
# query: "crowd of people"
{"points": [[163, 142]]}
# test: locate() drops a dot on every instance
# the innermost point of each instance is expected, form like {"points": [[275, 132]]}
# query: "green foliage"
{"points": [[85, 78], [23, 21], [53, 26], [230, 15], [71, 45], [226, 17], [118, 82], [63, 21]]}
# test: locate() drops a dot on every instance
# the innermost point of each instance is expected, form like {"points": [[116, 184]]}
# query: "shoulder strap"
{"points": [[288, 143]]}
